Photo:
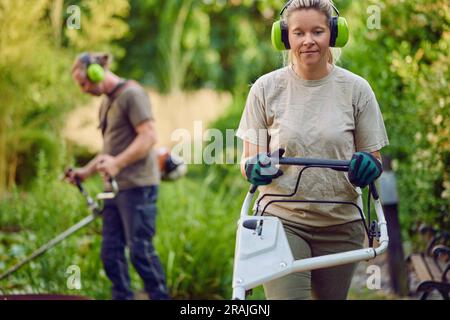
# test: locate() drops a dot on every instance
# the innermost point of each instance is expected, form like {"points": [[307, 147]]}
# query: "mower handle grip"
{"points": [[338, 165]]}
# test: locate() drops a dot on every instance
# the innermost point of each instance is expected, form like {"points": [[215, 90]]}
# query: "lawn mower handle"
{"points": [[338, 165], [342, 165]]}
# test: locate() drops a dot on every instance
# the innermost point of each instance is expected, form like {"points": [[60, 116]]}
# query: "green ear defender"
{"points": [[338, 27], [277, 36], [339, 31], [94, 71]]}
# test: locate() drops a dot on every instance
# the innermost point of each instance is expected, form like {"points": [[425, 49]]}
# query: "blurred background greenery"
{"points": [[185, 45]]}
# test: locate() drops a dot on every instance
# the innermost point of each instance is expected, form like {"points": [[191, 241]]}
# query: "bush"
{"points": [[406, 62]]}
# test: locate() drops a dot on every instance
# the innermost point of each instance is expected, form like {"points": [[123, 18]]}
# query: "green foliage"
{"points": [[35, 81], [101, 23], [28, 220], [196, 234], [170, 44], [406, 61], [22, 81]]}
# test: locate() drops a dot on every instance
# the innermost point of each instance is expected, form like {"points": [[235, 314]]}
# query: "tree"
{"points": [[190, 44], [35, 81]]}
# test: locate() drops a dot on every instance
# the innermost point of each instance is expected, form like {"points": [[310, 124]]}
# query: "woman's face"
{"points": [[309, 36]]}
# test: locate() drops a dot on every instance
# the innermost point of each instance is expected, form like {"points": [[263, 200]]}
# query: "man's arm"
{"points": [[145, 139], [84, 172], [90, 168]]}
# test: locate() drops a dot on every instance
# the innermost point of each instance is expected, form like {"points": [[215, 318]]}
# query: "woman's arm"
{"points": [[377, 154]]}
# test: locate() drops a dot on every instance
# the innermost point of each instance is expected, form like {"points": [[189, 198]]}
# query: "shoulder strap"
{"points": [[112, 95]]}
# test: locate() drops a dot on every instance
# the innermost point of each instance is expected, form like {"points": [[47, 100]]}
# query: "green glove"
{"points": [[260, 170], [364, 169]]}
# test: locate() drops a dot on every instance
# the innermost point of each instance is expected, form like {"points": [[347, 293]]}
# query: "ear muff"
{"points": [[94, 71], [339, 32], [280, 39], [338, 27]]}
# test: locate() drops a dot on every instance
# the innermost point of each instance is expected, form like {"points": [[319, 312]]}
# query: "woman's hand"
{"points": [[260, 170], [364, 169]]}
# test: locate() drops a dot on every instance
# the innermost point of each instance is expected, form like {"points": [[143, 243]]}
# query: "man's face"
{"points": [[85, 84], [309, 36]]}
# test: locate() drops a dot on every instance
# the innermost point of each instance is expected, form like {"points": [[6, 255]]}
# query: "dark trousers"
{"points": [[129, 220]]}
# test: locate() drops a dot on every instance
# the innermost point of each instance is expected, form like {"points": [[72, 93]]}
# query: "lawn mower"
{"points": [[262, 251]]}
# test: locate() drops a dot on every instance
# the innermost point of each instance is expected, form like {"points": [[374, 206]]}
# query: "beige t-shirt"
{"points": [[330, 118], [130, 108]]}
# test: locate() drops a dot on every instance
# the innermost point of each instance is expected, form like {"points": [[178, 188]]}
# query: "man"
{"points": [[129, 135]]}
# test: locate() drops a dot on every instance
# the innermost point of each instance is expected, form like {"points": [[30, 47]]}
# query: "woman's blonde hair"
{"points": [[323, 6]]}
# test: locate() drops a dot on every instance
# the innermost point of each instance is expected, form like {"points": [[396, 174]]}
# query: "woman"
{"points": [[313, 109]]}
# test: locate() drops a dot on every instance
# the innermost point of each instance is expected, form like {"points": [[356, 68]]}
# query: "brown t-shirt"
{"points": [[330, 118], [130, 108]]}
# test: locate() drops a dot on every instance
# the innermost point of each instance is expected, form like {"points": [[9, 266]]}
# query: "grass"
{"points": [[50, 207], [197, 226], [367, 294]]}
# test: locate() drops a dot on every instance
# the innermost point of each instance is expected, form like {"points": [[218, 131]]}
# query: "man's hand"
{"points": [[74, 175], [108, 165]]}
